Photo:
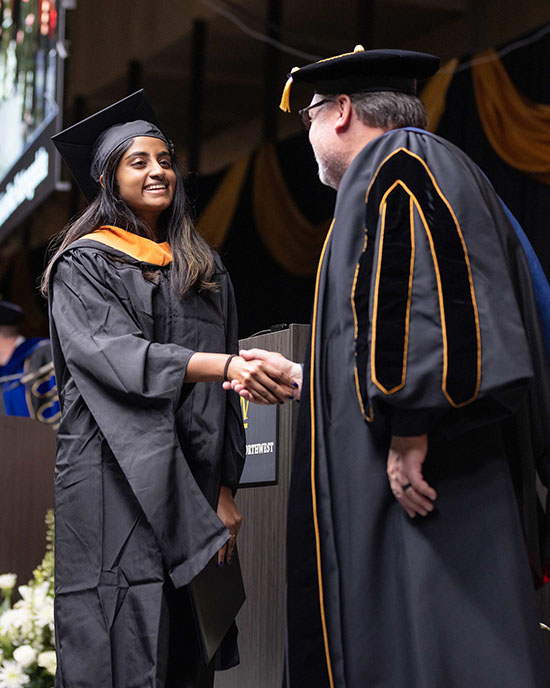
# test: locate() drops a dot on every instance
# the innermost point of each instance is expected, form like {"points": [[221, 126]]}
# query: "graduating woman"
{"points": [[147, 461]]}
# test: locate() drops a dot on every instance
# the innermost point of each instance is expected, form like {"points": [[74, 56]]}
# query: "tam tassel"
{"points": [[285, 99]]}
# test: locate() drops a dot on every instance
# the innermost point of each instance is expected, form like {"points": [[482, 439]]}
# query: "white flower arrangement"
{"points": [[25, 655], [12, 675], [7, 581], [27, 652]]}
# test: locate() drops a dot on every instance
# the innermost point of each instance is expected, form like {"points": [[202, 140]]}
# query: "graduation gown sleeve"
{"points": [[133, 386], [439, 334], [233, 456]]}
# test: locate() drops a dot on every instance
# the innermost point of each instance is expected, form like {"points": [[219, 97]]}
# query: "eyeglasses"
{"points": [[305, 115]]}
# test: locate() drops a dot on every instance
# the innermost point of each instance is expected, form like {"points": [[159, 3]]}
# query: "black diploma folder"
{"points": [[217, 594]]}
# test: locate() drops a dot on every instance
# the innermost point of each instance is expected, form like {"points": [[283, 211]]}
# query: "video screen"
{"points": [[29, 106]]}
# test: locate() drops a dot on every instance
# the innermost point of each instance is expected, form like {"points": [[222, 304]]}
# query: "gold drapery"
{"points": [[292, 240], [216, 218], [517, 128], [435, 92]]}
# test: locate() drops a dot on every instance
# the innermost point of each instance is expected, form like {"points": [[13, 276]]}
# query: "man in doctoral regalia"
{"points": [[424, 410]]}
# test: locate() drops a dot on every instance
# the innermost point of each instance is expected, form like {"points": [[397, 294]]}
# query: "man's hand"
{"points": [[286, 377], [258, 380], [405, 459]]}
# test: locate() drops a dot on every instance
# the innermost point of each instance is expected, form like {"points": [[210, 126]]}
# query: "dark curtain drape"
{"points": [[267, 214], [529, 200], [267, 291]]}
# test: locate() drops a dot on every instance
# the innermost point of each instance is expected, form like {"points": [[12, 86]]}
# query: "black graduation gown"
{"points": [[424, 321], [140, 459]]}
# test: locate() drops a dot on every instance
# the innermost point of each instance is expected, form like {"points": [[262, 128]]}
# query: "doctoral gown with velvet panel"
{"points": [[141, 456], [424, 322]]}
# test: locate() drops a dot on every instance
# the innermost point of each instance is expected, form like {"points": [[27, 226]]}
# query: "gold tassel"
{"points": [[285, 99]]}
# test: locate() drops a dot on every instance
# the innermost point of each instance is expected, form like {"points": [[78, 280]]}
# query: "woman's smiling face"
{"points": [[146, 178]]}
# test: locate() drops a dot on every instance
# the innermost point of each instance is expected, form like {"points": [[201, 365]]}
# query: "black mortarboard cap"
{"points": [[363, 71], [87, 145], [10, 314]]}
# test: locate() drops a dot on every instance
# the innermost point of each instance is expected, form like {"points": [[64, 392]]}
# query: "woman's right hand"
{"points": [[264, 377]]}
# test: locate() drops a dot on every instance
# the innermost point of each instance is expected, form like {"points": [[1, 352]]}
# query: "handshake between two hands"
{"points": [[264, 377], [267, 377]]}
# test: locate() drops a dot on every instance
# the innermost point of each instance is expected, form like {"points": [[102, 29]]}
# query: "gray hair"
{"points": [[389, 110]]}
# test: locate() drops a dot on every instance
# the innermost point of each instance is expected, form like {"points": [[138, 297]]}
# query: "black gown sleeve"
{"points": [[445, 339], [234, 442], [132, 387]]}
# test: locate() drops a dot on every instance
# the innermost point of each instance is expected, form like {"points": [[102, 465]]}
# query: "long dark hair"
{"points": [[192, 258]]}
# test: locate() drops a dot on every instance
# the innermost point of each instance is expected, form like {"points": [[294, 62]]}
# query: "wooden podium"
{"points": [[262, 541], [27, 463]]}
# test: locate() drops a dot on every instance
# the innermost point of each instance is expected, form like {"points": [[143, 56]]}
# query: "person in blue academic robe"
{"points": [[26, 371]]}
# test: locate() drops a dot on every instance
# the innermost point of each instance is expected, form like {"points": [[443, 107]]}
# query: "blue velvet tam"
{"points": [[364, 71]]}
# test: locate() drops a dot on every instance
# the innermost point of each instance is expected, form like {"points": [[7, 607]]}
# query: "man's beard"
{"points": [[332, 167]]}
